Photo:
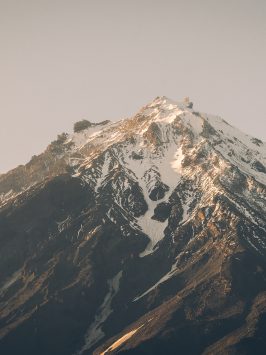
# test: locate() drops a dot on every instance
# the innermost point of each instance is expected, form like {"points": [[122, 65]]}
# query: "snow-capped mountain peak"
{"points": [[154, 224]]}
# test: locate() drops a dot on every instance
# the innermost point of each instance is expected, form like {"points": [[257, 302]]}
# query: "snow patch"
{"points": [[177, 163], [168, 164], [164, 278], [95, 332], [11, 280]]}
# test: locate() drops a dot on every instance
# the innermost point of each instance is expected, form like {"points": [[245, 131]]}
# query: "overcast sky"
{"points": [[65, 60]]}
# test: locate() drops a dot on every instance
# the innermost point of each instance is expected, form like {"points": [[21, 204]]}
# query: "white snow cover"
{"points": [[164, 112], [225, 143], [169, 168], [11, 280], [164, 278], [239, 148], [95, 333], [83, 137]]}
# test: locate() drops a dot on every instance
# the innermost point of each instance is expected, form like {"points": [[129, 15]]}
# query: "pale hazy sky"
{"points": [[65, 60]]}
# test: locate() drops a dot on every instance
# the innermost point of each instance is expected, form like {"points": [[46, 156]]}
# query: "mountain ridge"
{"points": [[82, 138]]}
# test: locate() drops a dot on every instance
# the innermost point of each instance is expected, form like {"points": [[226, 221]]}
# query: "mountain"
{"points": [[143, 236]]}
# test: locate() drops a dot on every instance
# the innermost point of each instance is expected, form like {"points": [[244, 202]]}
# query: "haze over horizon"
{"points": [[63, 61]]}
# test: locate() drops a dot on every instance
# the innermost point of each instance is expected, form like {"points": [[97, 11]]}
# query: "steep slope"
{"points": [[149, 232]]}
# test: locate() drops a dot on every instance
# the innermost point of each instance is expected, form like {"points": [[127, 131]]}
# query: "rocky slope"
{"points": [[143, 236]]}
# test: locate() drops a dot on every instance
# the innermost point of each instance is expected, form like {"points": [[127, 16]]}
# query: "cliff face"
{"points": [[144, 236]]}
